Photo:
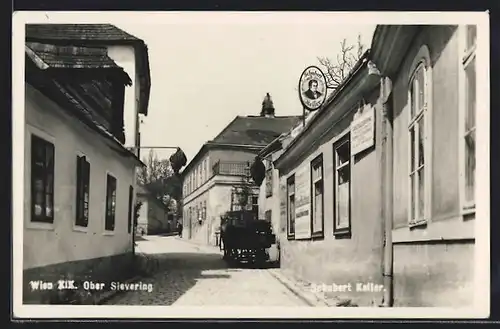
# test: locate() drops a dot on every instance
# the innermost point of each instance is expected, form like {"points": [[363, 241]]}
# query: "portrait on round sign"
{"points": [[312, 92], [312, 88]]}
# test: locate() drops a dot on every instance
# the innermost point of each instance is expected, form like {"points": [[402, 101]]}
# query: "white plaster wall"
{"points": [[273, 202], [46, 244], [124, 56]]}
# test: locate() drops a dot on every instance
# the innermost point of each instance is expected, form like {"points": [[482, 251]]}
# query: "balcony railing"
{"points": [[231, 168]]}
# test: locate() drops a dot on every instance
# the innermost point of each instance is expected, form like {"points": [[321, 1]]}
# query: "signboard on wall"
{"points": [[363, 130], [302, 203]]}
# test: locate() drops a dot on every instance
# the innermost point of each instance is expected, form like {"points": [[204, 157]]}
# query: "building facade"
{"points": [[430, 88], [223, 164], [208, 189], [331, 217], [79, 174], [379, 185], [153, 214]]}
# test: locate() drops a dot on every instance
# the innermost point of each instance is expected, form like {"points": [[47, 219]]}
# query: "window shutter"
{"points": [[86, 177], [78, 188]]}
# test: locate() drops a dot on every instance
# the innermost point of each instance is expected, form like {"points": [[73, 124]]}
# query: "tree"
{"points": [[158, 177], [337, 70]]}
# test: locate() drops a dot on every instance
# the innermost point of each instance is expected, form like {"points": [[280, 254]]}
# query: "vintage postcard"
{"points": [[251, 165]]}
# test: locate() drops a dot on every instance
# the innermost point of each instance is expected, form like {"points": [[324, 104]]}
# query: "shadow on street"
{"points": [[178, 271]]}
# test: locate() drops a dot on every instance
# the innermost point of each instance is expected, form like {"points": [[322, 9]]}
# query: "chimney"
{"points": [[267, 107]]}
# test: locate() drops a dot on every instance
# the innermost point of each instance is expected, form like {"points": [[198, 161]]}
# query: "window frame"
{"points": [[421, 60], [81, 223], [317, 162], [110, 178], [254, 203], [42, 219], [337, 229], [465, 58], [289, 194]]}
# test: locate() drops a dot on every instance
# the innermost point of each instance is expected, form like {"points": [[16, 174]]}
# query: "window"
{"points": [[130, 208], [255, 204], [204, 210], [109, 224], [42, 180], [202, 172], [291, 206], [418, 102], [199, 177], [342, 186], [268, 215], [269, 179], [468, 122], [318, 197], [82, 191]]}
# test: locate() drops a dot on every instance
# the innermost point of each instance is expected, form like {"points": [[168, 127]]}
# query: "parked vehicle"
{"points": [[245, 238]]}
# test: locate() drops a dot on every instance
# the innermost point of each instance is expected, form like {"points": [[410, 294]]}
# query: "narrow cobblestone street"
{"points": [[192, 275]]}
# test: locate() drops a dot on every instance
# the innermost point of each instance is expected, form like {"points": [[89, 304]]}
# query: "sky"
{"points": [[206, 72]]}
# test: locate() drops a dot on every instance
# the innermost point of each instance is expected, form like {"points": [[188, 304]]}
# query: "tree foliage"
{"points": [[159, 179], [338, 69]]}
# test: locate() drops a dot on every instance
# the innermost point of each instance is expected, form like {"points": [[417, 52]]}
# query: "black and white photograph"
{"points": [[234, 165]]}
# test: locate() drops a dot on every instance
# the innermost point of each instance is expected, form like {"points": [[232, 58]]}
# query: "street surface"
{"points": [[192, 275]]}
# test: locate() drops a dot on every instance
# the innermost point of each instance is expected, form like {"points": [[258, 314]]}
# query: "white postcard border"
{"points": [[482, 250]]}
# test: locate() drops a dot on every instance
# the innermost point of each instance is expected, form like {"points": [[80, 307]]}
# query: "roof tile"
{"points": [[52, 56], [95, 32], [255, 130]]}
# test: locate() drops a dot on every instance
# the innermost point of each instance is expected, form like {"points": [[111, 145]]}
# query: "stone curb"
{"points": [[104, 297], [308, 297]]}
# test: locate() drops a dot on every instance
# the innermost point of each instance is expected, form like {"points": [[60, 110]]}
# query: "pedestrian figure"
{"points": [[179, 229]]}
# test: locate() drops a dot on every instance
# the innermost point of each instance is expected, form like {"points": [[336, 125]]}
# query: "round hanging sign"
{"points": [[312, 88]]}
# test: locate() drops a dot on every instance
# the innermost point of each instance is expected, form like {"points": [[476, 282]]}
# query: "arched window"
{"points": [[419, 102]]}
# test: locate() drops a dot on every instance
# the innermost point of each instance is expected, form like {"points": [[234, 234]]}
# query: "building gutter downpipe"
{"points": [[388, 177]]}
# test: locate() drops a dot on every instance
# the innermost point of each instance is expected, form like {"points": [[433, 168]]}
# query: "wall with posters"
{"points": [[338, 232], [302, 202]]}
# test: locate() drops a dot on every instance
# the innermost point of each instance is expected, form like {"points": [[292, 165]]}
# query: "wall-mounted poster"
{"points": [[363, 130], [283, 205], [302, 203]]}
